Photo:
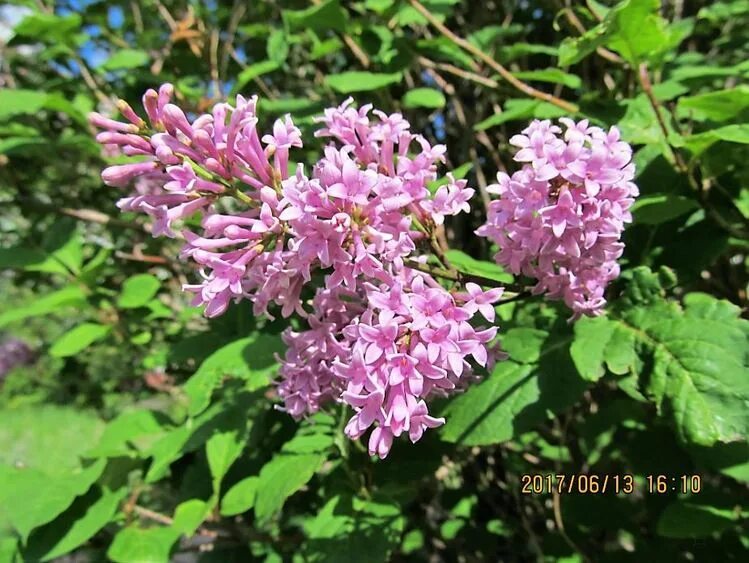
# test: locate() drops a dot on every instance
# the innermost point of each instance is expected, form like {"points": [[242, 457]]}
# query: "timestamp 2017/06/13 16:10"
{"points": [[627, 484]]}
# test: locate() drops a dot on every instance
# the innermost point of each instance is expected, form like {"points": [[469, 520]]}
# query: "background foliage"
{"points": [[133, 429]]}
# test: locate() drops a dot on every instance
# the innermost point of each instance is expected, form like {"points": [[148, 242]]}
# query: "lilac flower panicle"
{"points": [[382, 336], [559, 219]]}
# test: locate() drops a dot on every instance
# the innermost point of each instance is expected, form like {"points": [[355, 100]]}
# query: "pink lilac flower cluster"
{"points": [[560, 218], [385, 351], [383, 337]]}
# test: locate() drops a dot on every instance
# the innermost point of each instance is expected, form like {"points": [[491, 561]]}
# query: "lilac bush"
{"points": [[384, 336]]}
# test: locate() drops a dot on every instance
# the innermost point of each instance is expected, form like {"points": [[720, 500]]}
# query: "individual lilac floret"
{"points": [[560, 218]]}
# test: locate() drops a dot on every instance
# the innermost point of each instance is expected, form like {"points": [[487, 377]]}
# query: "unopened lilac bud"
{"points": [[174, 119], [151, 105], [166, 156], [166, 91], [121, 174], [129, 114], [123, 139], [213, 165], [130, 150], [102, 122]]}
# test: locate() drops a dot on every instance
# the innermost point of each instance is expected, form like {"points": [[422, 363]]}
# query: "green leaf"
{"points": [[553, 75], [520, 110], [598, 343], [719, 106], [222, 450], [144, 545], [451, 528], [280, 478], [443, 49], [519, 49], [637, 31], [640, 125], [538, 378], [440, 9], [9, 549], [22, 145], [717, 12], [489, 35], [324, 16], [349, 529], [87, 515], [357, 81], [69, 296], [21, 102], [49, 27], [43, 496], [137, 291], [63, 245], [322, 48], [48, 438], [189, 515], [470, 265], [657, 209], [700, 142], [412, 541], [233, 414], [424, 98], [251, 359], [78, 339], [25, 257], [575, 49], [633, 28], [730, 459], [253, 71], [277, 47], [126, 59], [698, 358], [241, 497], [293, 467], [684, 519], [128, 434]]}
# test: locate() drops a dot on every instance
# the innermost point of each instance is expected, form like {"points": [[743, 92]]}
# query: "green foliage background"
{"points": [[139, 430]]}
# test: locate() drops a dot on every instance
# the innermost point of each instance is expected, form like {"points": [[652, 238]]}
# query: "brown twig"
{"points": [[700, 187], [647, 87], [152, 515], [494, 65], [93, 216], [145, 258], [459, 72], [239, 9], [357, 51], [577, 24], [215, 77]]}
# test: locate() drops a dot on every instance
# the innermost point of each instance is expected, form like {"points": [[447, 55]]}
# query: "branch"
{"points": [[699, 187], [502, 71], [463, 277], [459, 72], [601, 51], [647, 87]]}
